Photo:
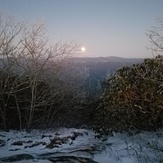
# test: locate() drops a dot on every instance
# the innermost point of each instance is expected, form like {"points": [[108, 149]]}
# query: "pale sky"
{"points": [[103, 27]]}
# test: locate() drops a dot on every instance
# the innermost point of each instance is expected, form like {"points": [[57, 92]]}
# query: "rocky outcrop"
{"points": [[15, 158], [2, 143], [72, 147], [71, 159]]}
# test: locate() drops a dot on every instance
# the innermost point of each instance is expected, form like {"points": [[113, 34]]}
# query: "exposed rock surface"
{"points": [[2, 143], [18, 157], [72, 147], [71, 159]]}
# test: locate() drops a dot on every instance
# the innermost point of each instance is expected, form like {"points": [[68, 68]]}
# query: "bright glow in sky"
{"points": [[83, 49], [106, 27]]}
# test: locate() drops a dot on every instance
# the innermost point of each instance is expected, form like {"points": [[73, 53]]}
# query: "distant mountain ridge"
{"points": [[107, 59], [100, 67]]}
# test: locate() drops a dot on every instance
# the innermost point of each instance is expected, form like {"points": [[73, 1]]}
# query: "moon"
{"points": [[83, 49]]}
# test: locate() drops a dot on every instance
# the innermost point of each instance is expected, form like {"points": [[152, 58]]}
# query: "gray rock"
{"points": [[19, 157], [71, 159], [2, 143]]}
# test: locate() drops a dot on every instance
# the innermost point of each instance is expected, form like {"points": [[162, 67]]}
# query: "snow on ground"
{"points": [[76, 144]]}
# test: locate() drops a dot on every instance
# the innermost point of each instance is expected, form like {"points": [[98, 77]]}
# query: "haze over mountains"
{"points": [[107, 59], [100, 67]]}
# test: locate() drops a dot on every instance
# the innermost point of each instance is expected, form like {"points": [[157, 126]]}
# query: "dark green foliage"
{"points": [[133, 98]]}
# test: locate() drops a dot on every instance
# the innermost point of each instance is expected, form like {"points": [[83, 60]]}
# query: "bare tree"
{"points": [[25, 60], [156, 37]]}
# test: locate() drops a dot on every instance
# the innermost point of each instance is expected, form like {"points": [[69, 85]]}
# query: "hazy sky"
{"points": [[104, 27]]}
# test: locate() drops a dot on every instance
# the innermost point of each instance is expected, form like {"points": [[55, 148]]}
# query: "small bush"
{"points": [[133, 98]]}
